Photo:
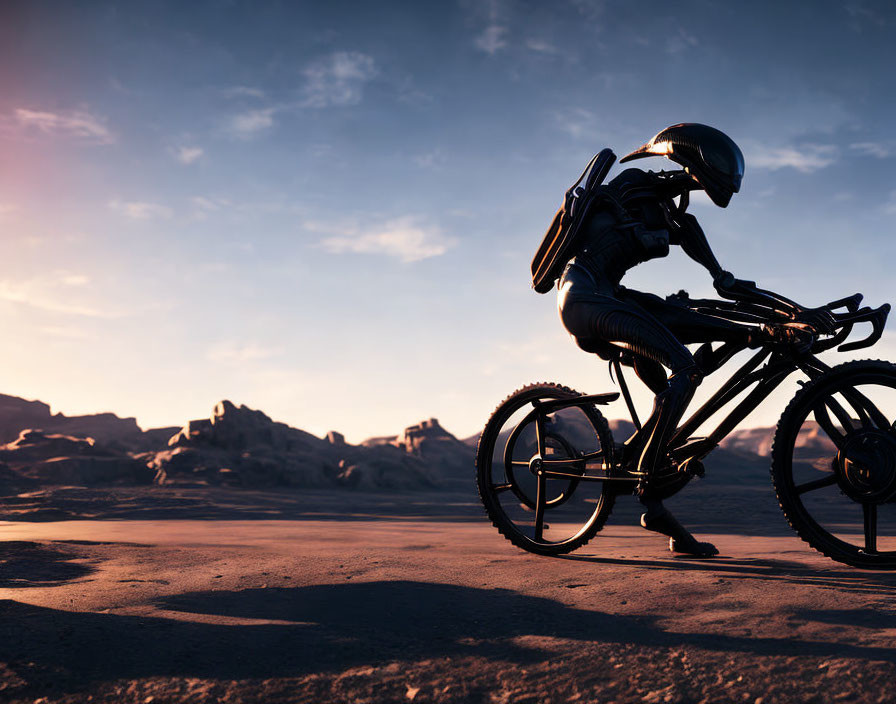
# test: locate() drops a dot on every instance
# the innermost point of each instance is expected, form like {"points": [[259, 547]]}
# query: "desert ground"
{"points": [[149, 595]]}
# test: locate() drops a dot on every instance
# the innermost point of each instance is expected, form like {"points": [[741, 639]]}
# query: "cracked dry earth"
{"points": [[398, 609]]}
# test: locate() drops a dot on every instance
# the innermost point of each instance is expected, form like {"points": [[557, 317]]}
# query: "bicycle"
{"points": [[549, 471]]}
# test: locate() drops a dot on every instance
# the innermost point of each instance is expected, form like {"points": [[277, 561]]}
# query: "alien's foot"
{"points": [[680, 539], [692, 547]]}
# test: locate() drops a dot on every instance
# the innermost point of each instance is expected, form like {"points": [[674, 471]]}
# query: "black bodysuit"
{"points": [[602, 315]]}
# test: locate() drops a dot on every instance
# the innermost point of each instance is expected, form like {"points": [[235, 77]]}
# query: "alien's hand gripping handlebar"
{"points": [[743, 291]]}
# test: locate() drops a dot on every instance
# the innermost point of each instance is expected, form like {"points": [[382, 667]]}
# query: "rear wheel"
{"points": [[834, 464], [545, 515]]}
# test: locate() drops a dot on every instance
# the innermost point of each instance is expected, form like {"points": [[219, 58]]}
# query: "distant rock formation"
{"points": [[235, 446], [240, 446], [433, 444], [63, 459], [621, 429], [153, 439], [379, 440], [811, 441], [17, 414], [335, 438], [452, 458]]}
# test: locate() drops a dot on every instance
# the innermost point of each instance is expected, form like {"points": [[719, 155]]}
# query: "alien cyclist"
{"points": [[632, 219]]}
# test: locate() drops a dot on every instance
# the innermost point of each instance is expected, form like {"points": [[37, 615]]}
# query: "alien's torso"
{"points": [[608, 250]]}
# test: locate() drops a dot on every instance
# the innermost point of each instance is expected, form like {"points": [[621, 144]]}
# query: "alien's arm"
{"points": [[693, 241]]}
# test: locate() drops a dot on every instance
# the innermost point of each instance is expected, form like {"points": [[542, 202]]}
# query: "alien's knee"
{"points": [[686, 379]]}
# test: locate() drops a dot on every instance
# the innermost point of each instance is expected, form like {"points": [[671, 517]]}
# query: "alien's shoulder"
{"points": [[633, 177]]}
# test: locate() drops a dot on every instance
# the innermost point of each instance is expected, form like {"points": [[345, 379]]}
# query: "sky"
{"points": [[328, 210]]}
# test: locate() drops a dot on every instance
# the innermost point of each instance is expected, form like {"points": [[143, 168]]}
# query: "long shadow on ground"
{"points": [[331, 628], [27, 564], [770, 570]]}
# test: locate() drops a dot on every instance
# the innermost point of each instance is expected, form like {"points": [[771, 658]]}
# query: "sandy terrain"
{"points": [[415, 600]]}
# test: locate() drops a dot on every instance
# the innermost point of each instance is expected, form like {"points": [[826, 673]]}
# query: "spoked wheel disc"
{"points": [[834, 464], [539, 513]]}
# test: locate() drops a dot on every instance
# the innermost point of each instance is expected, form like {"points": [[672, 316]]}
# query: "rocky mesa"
{"points": [[235, 446], [239, 446]]}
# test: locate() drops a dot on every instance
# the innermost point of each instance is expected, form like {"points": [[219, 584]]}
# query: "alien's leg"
{"points": [[626, 324], [668, 409], [670, 405], [646, 336]]}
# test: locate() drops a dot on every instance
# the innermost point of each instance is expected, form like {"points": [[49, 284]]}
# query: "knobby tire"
{"points": [[485, 452]]}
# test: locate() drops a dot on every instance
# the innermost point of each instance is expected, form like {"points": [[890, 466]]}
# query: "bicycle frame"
{"points": [[681, 446], [780, 362]]}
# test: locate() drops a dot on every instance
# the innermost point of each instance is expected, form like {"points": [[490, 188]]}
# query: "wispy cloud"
{"points": [[80, 124], [492, 39], [68, 279], [141, 210], [202, 206], [54, 294], [6, 209], [680, 41], [491, 21], [862, 14], [404, 238], [430, 160], [250, 123], [805, 158], [576, 122], [187, 155], [338, 79], [879, 150], [231, 352], [243, 92], [540, 46], [203, 203]]}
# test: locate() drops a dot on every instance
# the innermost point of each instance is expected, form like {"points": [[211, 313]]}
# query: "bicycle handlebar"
{"points": [[750, 312], [876, 316], [851, 303]]}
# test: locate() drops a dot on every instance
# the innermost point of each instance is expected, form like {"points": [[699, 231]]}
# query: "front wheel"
{"points": [[834, 464], [545, 515]]}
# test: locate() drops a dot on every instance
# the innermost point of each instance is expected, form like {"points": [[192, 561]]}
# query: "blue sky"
{"points": [[327, 211]]}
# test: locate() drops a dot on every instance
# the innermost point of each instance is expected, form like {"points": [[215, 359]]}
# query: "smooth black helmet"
{"points": [[707, 154]]}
